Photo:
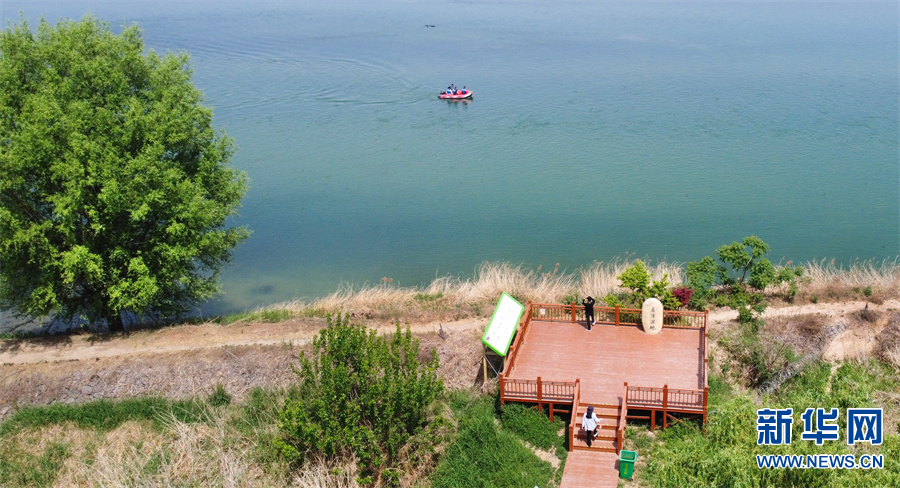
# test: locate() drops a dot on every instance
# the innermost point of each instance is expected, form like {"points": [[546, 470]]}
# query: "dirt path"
{"points": [[189, 360], [186, 338], [831, 310]]}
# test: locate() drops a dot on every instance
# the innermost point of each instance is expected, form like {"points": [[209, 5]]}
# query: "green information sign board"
{"points": [[503, 324]]}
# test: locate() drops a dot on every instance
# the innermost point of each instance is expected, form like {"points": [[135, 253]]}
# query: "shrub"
{"points": [[358, 393], [683, 295], [703, 275], [220, 397], [612, 300], [722, 300], [637, 279]]}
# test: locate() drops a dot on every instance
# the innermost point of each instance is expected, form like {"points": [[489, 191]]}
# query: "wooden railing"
{"points": [[704, 354], [517, 342], [575, 400], [623, 411], [666, 399], [685, 319], [537, 391], [674, 319]]}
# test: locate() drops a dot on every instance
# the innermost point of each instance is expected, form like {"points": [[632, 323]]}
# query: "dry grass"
{"points": [[449, 297], [321, 474], [452, 298], [803, 333], [828, 282], [209, 453], [600, 279], [888, 348]]}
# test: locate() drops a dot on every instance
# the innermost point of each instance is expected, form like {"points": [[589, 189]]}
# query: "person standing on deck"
{"points": [[589, 424], [589, 311]]}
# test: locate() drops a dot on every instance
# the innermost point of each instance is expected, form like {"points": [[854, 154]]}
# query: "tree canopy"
{"points": [[114, 187]]}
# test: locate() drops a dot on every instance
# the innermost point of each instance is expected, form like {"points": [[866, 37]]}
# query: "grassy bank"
{"points": [[726, 454], [208, 442], [450, 298]]}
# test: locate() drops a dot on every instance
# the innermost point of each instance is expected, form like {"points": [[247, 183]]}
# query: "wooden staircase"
{"points": [[608, 418]]}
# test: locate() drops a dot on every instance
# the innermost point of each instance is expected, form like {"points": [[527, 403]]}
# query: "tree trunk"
{"points": [[115, 323]]}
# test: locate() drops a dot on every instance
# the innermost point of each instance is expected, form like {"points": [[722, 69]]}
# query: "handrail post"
{"points": [[502, 389], [539, 388], [573, 312], [665, 404], [617, 315]]}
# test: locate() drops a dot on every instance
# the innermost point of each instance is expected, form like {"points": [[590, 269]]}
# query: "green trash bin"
{"points": [[626, 464]]}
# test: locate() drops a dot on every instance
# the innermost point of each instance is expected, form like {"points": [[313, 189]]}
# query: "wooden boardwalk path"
{"points": [[590, 470], [620, 370]]}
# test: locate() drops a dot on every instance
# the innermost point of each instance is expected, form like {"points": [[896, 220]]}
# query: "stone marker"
{"points": [[652, 316]]}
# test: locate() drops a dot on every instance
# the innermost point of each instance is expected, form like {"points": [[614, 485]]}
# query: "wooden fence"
{"points": [[537, 391], [666, 400], [576, 398], [623, 415], [618, 316]]}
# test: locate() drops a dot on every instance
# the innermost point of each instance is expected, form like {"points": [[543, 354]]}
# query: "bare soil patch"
{"points": [[185, 361]]}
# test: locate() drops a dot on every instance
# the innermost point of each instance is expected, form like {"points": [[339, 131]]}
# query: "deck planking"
{"points": [[590, 470], [608, 356]]}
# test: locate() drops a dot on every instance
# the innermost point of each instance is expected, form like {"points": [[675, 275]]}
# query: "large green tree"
{"points": [[114, 187]]}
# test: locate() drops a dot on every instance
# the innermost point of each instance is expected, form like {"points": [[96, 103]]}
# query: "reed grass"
{"points": [[450, 297], [885, 273]]}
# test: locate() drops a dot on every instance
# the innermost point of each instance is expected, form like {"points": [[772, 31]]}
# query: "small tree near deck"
{"points": [[745, 273], [360, 393]]}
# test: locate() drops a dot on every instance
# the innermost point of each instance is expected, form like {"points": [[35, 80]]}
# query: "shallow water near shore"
{"points": [[597, 130]]}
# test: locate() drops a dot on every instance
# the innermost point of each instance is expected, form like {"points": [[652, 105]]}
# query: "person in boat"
{"points": [[454, 88], [464, 90], [450, 90]]}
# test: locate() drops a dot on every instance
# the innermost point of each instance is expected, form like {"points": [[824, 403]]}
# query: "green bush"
{"points": [[219, 397], [358, 393], [637, 279], [483, 454], [531, 425], [702, 276], [725, 455], [612, 300]]}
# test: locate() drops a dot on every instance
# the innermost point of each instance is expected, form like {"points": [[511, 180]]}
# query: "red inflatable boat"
{"points": [[445, 96]]}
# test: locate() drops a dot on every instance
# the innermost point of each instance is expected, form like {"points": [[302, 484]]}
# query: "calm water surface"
{"points": [[597, 130]]}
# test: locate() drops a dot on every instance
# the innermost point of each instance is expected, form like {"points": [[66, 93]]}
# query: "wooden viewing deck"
{"points": [[620, 370]]}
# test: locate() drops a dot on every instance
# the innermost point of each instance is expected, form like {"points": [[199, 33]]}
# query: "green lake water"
{"points": [[597, 131]]}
